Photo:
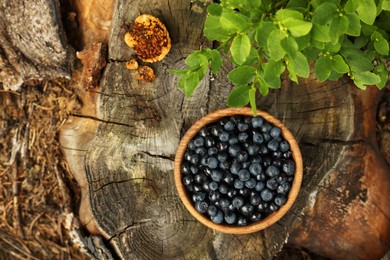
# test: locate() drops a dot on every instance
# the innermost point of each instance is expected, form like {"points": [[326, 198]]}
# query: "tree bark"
{"points": [[121, 152], [32, 42]]}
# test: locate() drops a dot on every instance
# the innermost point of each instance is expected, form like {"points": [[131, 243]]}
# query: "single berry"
{"points": [[205, 185], [222, 146], [212, 210], [259, 186], [245, 192], [256, 216], [188, 179], [199, 196], [224, 202], [194, 169], [228, 178], [213, 185], [256, 159], [217, 218], [267, 195], [273, 207], [224, 165], [255, 200], [186, 168], [237, 202], [238, 184], [284, 146], [275, 132], [264, 206], [272, 171], [242, 156], [203, 132], [242, 221], [247, 209], [253, 149], [229, 125], [283, 188], [214, 196], [280, 200], [277, 155], [265, 127], [273, 145], [257, 122], [199, 141], [243, 175], [230, 217], [242, 127], [234, 150], [223, 188], [223, 136], [235, 167], [245, 165], [287, 155], [212, 162], [209, 141], [257, 138], [215, 130], [232, 192], [272, 184], [212, 151], [216, 175], [201, 207], [251, 183], [201, 151], [204, 160], [267, 137], [233, 140], [289, 167], [263, 150], [243, 137], [200, 178], [267, 161], [255, 169]]}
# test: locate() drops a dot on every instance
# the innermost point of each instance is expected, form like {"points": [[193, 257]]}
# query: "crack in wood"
{"points": [[134, 224], [160, 156], [121, 181]]}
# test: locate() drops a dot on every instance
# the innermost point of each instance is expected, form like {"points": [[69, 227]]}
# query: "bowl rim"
{"points": [[270, 219]]}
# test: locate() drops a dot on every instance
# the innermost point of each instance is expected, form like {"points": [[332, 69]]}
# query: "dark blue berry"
{"points": [[242, 137], [204, 160], [238, 184], [194, 169], [205, 185], [242, 127], [224, 202], [267, 161], [191, 145], [212, 151], [214, 196], [273, 207], [267, 137], [261, 177], [264, 206], [213, 185], [197, 187], [277, 154], [247, 209], [203, 132], [273, 145], [251, 183], [237, 202], [188, 179], [223, 188], [232, 192], [233, 140], [222, 146], [289, 167], [216, 130], [209, 141], [242, 221], [224, 165], [257, 138], [199, 196], [245, 192], [256, 159], [257, 122], [186, 168], [222, 157], [243, 175], [283, 188], [187, 156], [223, 136], [234, 150], [280, 200], [212, 210], [217, 218], [230, 217], [263, 150], [199, 141], [255, 169], [229, 125], [267, 195], [272, 184], [253, 149], [195, 158], [245, 165], [212, 162], [200, 178], [201, 151], [255, 200], [265, 127], [216, 175], [242, 156], [256, 216], [272, 171], [259, 186], [201, 207], [287, 155], [228, 178], [275, 132], [235, 167], [284, 146]]}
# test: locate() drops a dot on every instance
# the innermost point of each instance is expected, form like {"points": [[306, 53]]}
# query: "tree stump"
{"points": [[121, 150]]}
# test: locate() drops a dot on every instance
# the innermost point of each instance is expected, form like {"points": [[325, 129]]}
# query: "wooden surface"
{"points": [[122, 153]]}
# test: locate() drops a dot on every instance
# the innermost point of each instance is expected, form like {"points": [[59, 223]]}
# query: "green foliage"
{"points": [[265, 38]]}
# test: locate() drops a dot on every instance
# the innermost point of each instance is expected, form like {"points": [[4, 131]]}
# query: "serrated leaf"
{"points": [[382, 72], [338, 27], [338, 64], [324, 13], [213, 29], [214, 9], [240, 48], [351, 6], [354, 26], [300, 65], [272, 71], [234, 22], [252, 100], [238, 97], [242, 75], [367, 11], [289, 45], [263, 31], [380, 43], [322, 69], [274, 44], [320, 33]]}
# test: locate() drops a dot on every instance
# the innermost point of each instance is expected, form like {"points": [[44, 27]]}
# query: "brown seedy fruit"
{"points": [[132, 64], [146, 73], [149, 38]]}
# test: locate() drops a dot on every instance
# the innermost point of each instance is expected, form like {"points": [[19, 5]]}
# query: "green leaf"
{"points": [[380, 43], [252, 100], [334, 75], [234, 22], [189, 82], [322, 69], [274, 44], [303, 42], [272, 71], [361, 79], [262, 33], [351, 6], [197, 60], [361, 41], [338, 27], [320, 33], [242, 75], [324, 13], [238, 97], [214, 9], [338, 64], [215, 60], [382, 72], [367, 11], [329, 47], [263, 87], [252, 58], [354, 26], [300, 65], [284, 15], [368, 29], [178, 72], [298, 28], [356, 60], [297, 4], [291, 73], [289, 45], [386, 5], [240, 48], [213, 29]]}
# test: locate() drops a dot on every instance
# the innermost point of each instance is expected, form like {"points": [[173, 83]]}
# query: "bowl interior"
{"points": [[270, 219]]}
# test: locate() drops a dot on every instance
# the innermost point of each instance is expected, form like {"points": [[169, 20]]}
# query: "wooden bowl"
{"points": [[270, 219]]}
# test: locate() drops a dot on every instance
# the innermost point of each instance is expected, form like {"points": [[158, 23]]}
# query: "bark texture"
{"points": [[122, 151]]}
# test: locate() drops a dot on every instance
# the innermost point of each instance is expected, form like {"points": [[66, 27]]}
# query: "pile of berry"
{"points": [[238, 170]]}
